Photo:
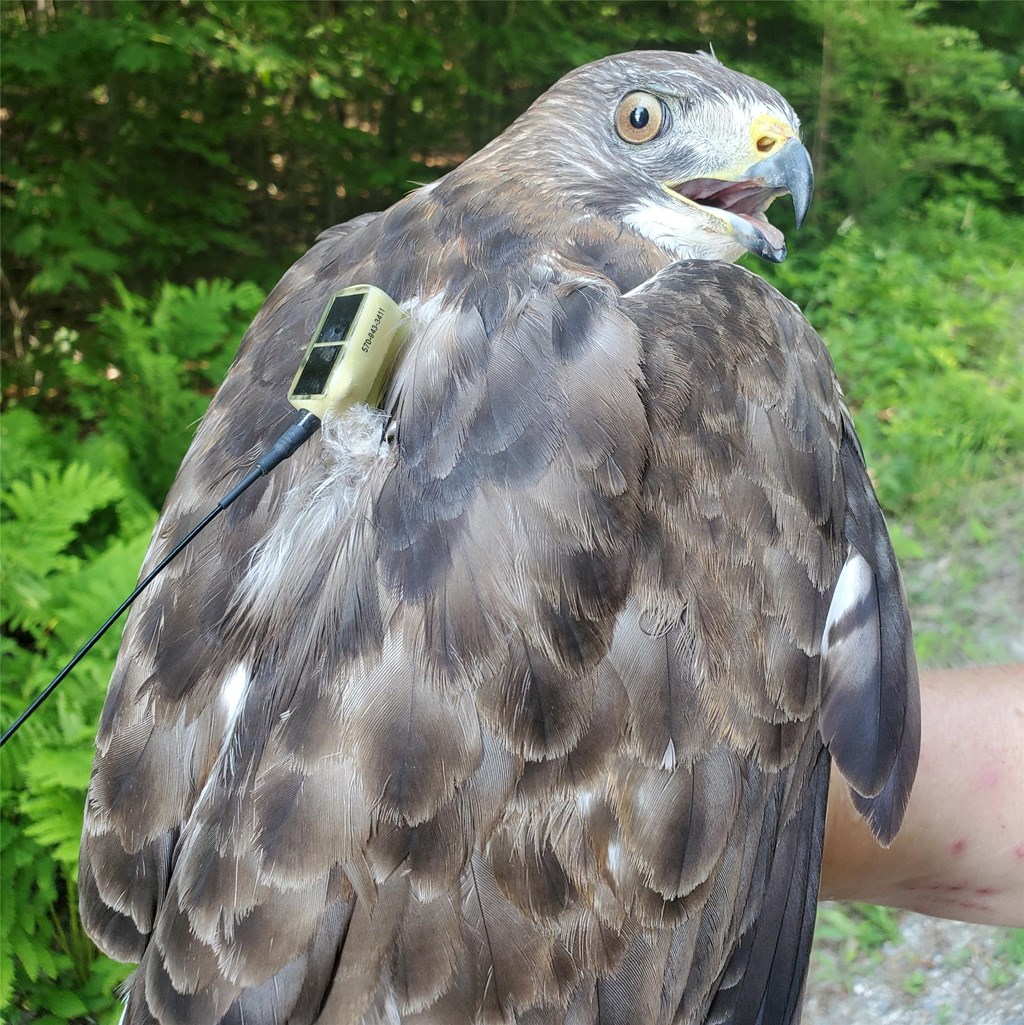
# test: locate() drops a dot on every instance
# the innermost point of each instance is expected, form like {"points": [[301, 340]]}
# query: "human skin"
{"points": [[960, 853]]}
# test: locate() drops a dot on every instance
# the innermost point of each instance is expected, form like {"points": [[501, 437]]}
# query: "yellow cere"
{"points": [[767, 134]]}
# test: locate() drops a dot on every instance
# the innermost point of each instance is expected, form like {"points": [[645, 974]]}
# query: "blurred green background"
{"points": [[163, 163]]}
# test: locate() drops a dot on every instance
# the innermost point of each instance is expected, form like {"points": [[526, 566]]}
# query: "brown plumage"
{"points": [[514, 701]]}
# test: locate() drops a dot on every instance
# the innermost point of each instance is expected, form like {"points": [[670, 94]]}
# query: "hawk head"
{"points": [[676, 147]]}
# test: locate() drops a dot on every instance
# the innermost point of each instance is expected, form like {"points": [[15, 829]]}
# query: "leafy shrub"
{"points": [[78, 510], [164, 359], [57, 573], [922, 323]]}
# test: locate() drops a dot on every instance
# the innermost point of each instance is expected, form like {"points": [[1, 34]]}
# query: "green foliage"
{"points": [[58, 570], [936, 118], [858, 928], [157, 154], [1011, 947], [78, 509], [914, 983], [165, 359], [1008, 966], [922, 326], [44, 512], [851, 937]]}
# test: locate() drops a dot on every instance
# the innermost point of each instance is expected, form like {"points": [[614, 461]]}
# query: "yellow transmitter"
{"points": [[351, 351]]}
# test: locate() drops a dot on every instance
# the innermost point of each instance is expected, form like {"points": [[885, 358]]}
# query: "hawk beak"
{"points": [[740, 200], [788, 168]]}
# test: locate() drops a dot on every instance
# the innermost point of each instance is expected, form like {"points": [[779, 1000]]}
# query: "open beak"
{"points": [[742, 203]]}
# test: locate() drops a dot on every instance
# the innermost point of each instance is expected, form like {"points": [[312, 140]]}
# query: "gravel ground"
{"points": [[937, 973], [967, 604]]}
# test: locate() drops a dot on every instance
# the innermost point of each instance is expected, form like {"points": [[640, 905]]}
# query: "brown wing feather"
{"points": [[162, 727], [527, 721]]}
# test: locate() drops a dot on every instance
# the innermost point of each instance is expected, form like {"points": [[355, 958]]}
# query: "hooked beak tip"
{"points": [[800, 172], [789, 168]]}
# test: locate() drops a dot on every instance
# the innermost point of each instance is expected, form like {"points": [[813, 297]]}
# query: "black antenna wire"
{"points": [[304, 427], [88, 646]]}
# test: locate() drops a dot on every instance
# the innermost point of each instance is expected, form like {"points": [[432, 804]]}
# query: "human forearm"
{"points": [[960, 853]]}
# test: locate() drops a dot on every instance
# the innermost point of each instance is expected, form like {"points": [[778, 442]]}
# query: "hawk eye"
{"points": [[640, 117]]}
